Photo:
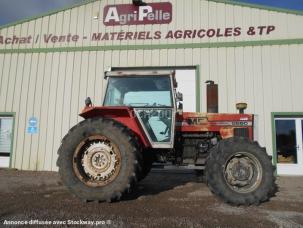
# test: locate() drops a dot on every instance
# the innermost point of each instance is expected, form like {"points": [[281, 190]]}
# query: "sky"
{"points": [[14, 10], [285, 4]]}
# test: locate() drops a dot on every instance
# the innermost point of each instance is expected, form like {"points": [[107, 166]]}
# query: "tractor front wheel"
{"points": [[240, 172]]}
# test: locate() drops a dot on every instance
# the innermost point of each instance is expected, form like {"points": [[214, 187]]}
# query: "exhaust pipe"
{"points": [[212, 97]]}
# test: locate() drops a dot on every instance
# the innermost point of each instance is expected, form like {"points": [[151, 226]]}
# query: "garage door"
{"points": [[187, 85]]}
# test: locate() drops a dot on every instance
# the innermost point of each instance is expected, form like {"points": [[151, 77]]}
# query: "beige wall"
{"points": [[52, 86]]}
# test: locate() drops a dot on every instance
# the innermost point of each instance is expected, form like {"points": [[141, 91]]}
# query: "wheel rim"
{"points": [[96, 161], [243, 172]]}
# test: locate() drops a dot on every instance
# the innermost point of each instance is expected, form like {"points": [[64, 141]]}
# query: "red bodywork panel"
{"points": [[124, 115], [190, 122], [214, 122]]}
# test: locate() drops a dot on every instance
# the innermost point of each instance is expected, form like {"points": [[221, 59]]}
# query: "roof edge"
{"points": [[230, 2]]}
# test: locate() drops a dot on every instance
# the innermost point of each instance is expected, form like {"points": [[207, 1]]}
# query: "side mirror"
{"points": [[88, 102], [180, 106], [179, 96]]}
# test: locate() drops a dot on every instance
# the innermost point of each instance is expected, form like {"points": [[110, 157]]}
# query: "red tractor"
{"points": [[142, 122]]}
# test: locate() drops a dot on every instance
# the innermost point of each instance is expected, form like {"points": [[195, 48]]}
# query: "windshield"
{"points": [[143, 91]]}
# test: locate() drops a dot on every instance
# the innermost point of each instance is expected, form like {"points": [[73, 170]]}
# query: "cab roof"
{"points": [[147, 73]]}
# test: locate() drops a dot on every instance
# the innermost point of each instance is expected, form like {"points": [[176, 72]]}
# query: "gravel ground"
{"points": [[163, 199]]}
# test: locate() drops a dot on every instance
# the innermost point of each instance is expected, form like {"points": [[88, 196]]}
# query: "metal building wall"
{"points": [[53, 85]]}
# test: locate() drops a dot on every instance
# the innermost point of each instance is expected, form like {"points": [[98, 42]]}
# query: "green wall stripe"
{"points": [[198, 89], [230, 2], [273, 131], [158, 46]]}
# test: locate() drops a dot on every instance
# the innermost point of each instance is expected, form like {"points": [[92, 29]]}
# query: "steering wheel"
{"points": [[138, 104]]}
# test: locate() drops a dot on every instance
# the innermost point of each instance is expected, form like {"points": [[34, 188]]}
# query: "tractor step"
{"points": [[177, 167]]}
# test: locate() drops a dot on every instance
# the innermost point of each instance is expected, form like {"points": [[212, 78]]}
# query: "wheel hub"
{"points": [[239, 171], [99, 161], [243, 172]]}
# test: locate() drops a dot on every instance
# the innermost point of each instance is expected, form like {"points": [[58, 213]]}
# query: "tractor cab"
{"points": [[151, 96]]}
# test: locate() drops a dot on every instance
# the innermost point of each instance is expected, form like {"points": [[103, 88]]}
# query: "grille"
{"points": [[241, 132]]}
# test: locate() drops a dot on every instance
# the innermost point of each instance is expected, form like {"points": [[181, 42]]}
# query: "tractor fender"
{"points": [[124, 115]]}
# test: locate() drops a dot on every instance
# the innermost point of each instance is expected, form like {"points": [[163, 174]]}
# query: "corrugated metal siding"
{"points": [[55, 93], [53, 86]]}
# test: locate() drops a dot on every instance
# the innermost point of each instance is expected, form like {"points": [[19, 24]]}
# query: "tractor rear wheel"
{"points": [[98, 160], [146, 163], [240, 172]]}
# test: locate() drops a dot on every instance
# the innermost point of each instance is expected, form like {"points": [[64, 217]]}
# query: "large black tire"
{"points": [[125, 143], [223, 162], [200, 175], [146, 163]]}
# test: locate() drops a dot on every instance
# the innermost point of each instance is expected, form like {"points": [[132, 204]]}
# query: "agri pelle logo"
{"points": [[129, 14]]}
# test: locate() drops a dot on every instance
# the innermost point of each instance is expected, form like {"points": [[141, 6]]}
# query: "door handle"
{"points": [[297, 147]]}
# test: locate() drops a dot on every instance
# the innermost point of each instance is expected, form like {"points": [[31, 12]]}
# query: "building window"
{"points": [[288, 146], [6, 137]]}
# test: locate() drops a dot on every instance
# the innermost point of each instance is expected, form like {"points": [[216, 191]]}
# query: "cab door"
{"points": [[158, 125]]}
